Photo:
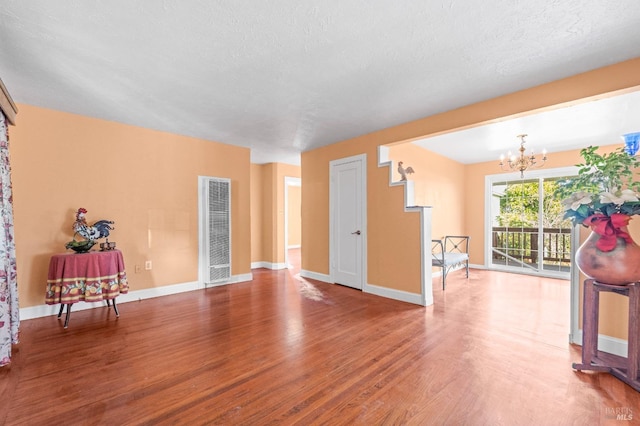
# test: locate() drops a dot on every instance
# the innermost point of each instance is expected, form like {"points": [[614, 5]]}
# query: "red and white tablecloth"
{"points": [[88, 277]]}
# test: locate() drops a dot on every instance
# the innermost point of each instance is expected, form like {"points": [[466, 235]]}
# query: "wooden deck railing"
{"points": [[522, 244]]}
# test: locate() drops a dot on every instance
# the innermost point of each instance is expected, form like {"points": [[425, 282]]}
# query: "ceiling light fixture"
{"points": [[522, 163]]}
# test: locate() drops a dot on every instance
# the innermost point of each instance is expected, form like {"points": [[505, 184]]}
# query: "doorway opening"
{"points": [[292, 222]]}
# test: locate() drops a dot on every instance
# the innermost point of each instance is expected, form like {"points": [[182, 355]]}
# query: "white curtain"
{"points": [[9, 309]]}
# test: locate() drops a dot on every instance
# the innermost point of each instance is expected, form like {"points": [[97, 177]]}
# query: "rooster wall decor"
{"points": [[404, 172], [100, 229], [90, 233]]}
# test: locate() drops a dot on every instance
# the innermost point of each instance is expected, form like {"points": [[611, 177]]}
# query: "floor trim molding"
{"points": [[39, 311], [612, 345], [268, 265], [403, 296], [315, 276]]}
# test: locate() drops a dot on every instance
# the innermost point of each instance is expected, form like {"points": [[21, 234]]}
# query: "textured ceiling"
{"points": [[286, 76]]}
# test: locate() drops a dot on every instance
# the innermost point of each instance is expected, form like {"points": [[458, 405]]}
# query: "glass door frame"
{"points": [[488, 225]]}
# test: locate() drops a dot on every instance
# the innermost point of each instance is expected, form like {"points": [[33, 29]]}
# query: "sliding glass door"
{"points": [[526, 230]]}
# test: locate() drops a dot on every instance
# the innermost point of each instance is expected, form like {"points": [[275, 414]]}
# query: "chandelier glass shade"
{"points": [[522, 162]]}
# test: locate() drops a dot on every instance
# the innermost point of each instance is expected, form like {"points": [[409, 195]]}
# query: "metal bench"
{"points": [[449, 252]]}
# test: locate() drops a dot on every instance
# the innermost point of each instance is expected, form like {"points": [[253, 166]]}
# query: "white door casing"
{"points": [[347, 207]]}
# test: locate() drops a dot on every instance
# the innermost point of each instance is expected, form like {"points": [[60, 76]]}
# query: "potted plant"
{"points": [[603, 197]]}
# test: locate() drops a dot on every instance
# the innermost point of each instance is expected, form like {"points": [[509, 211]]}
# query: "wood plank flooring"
{"points": [[280, 350]]}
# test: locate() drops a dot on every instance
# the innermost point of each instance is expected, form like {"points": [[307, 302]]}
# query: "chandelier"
{"points": [[523, 162]]}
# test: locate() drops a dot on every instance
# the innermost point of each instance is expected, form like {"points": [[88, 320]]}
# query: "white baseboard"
{"points": [[315, 276], [242, 278], [268, 265], [403, 296], [608, 344], [47, 310], [294, 246], [133, 296], [233, 280]]}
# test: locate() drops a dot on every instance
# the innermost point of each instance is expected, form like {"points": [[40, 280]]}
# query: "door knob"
{"points": [[356, 233]]}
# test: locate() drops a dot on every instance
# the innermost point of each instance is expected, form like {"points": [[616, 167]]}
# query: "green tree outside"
{"points": [[519, 206]]}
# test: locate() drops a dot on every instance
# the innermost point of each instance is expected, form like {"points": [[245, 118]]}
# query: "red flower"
{"points": [[608, 227]]}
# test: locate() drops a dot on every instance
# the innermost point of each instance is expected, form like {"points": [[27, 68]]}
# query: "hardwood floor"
{"points": [[280, 350]]}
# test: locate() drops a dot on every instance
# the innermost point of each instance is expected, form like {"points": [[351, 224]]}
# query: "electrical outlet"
{"points": [[147, 265], [138, 269]]}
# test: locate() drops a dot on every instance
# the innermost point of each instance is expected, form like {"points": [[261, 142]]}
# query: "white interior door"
{"points": [[348, 221]]}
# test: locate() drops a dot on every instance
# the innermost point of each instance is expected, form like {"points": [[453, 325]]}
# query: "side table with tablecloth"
{"points": [[86, 277]]}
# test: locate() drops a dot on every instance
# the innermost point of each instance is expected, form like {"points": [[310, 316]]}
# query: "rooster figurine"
{"points": [[404, 172], [100, 229]]}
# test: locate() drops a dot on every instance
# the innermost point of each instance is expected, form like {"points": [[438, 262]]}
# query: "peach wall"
{"points": [[393, 239], [294, 199], [144, 180], [390, 231], [269, 214], [315, 210], [256, 212], [439, 182], [383, 245]]}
